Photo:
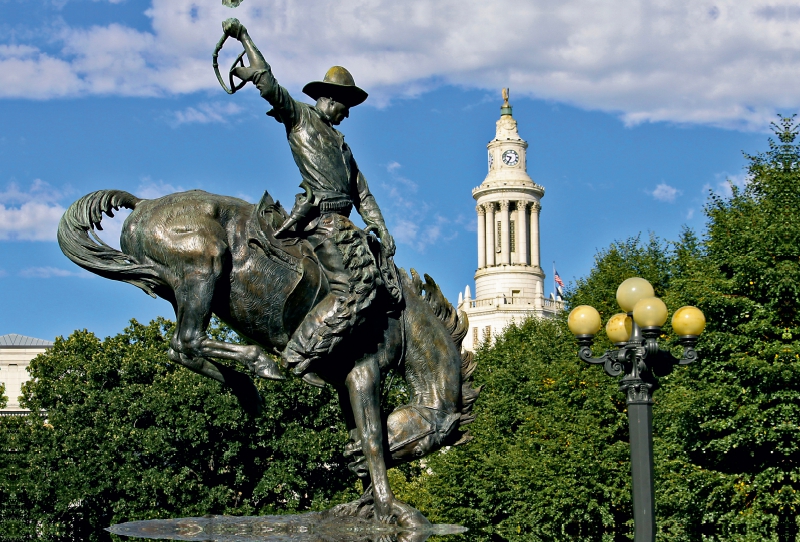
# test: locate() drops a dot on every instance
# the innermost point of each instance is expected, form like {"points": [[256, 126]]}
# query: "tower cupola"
{"points": [[509, 281]]}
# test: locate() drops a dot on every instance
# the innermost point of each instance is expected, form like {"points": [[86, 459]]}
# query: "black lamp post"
{"points": [[635, 335]]}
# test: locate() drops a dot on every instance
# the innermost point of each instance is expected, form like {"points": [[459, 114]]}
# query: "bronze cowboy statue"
{"points": [[334, 186], [307, 285]]}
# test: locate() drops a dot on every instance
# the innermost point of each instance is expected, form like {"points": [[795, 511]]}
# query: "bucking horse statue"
{"points": [[209, 254], [308, 286]]}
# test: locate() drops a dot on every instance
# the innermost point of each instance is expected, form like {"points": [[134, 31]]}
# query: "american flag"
{"points": [[559, 282]]}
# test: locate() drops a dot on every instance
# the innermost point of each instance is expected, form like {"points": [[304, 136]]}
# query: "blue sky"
{"points": [[630, 121]]}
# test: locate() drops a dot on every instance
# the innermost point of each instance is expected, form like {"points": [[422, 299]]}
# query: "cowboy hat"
{"points": [[339, 85]]}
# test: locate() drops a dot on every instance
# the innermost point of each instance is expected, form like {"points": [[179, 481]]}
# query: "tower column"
{"points": [[535, 207], [481, 236], [505, 235], [522, 233], [490, 244]]}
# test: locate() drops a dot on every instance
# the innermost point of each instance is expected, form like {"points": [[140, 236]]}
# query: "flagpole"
{"points": [[555, 284]]}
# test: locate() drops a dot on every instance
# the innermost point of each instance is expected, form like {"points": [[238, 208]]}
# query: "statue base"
{"points": [[309, 527]]}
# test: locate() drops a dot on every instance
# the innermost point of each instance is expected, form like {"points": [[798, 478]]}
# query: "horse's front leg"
{"points": [[363, 385]]}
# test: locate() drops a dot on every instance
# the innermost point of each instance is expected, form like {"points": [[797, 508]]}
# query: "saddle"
{"points": [[298, 259]]}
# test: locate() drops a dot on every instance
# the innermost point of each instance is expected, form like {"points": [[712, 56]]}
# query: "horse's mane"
{"points": [[457, 324]]}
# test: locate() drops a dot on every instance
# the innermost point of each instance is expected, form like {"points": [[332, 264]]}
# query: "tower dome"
{"points": [[509, 281]]}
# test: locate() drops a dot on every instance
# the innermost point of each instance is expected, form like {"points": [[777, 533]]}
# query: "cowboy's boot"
{"points": [[304, 346]]}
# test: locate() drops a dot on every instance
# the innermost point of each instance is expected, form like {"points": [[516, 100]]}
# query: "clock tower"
{"points": [[509, 281]]}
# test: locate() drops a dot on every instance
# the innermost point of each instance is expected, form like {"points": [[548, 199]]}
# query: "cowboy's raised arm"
{"points": [[260, 73], [368, 208]]}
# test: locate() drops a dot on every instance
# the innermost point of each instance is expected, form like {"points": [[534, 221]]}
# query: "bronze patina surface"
{"points": [[307, 285]]}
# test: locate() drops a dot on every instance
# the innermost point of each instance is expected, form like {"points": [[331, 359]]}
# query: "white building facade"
{"points": [[509, 281], [16, 353]]}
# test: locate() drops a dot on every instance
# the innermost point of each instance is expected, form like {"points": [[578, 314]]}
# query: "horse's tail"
{"points": [[457, 324], [80, 243]]}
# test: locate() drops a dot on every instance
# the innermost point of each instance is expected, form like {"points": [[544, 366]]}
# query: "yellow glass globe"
{"points": [[650, 312], [584, 320], [619, 328], [631, 291], [688, 321]]}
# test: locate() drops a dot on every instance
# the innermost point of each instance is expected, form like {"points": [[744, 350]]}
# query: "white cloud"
{"points": [[22, 65], [405, 231], [729, 63], [468, 222], [724, 186], [30, 222], [724, 183], [409, 219], [50, 272], [206, 113], [149, 189], [39, 191], [32, 214], [665, 192], [689, 214]]}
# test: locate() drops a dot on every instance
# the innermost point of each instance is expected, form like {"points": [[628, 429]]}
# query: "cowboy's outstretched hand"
{"points": [[233, 28]]}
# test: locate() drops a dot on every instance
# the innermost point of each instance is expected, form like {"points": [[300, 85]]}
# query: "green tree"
{"points": [[549, 454], [730, 424], [130, 435]]}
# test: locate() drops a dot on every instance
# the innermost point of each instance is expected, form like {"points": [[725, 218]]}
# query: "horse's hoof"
{"points": [[313, 380], [266, 368], [352, 448], [408, 516]]}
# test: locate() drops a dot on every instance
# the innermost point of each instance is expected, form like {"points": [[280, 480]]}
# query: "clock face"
{"points": [[510, 158], [491, 160]]}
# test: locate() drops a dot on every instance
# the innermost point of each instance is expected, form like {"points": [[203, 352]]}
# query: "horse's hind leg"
{"points": [[193, 313]]}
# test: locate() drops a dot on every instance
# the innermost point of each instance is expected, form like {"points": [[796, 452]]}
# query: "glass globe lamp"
{"points": [[650, 312], [584, 320], [688, 321], [619, 328], [631, 291]]}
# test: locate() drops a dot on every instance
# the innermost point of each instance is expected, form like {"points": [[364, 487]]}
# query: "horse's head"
{"points": [[415, 431]]}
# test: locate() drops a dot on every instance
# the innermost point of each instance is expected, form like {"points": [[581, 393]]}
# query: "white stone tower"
{"points": [[509, 282]]}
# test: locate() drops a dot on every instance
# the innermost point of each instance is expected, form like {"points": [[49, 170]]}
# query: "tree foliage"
{"points": [[731, 423], [550, 452], [130, 435], [549, 455]]}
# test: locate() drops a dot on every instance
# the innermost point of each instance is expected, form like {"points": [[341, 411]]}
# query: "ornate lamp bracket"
{"points": [[611, 361], [661, 362]]}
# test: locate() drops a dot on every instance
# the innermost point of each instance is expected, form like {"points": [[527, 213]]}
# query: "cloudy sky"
{"points": [[633, 111]]}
